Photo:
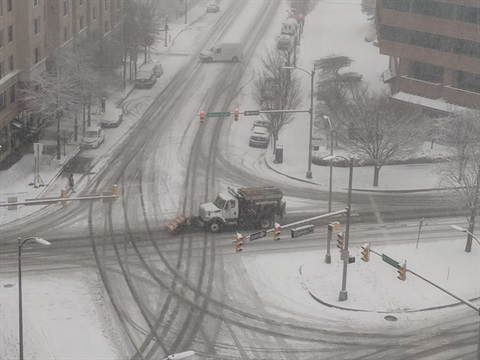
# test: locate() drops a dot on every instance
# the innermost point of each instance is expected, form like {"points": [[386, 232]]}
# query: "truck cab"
{"points": [[223, 211]]}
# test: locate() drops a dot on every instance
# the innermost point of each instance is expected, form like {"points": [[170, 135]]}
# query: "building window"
{"points": [[12, 94], [10, 33], [81, 22], [36, 26], [467, 81], [94, 13], [1, 7], [1, 38], [1, 69], [65, 7], [106, 26], [3, 102], [427, 72], [106, 5], [118, 4], [9, 5], [65, 34], [11, 64], [37, 55], [35, 2], [81, 2]]}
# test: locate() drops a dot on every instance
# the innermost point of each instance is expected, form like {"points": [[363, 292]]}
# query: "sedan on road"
{"points": [[93, 137]]}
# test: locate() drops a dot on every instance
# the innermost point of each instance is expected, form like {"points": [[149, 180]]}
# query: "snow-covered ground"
{"points": [[57, 325]]}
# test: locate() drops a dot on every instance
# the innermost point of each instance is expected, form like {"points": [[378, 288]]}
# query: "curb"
{"points": [[320, 301], [357, 190]]}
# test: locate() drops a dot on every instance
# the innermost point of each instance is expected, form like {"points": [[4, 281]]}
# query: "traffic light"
{"points": [[239, 242], [235, 114], [340, 240], [402, 271], [276, 232], [64, 196], [115, 191], [202, 116], [366, 252], [335, 225]]}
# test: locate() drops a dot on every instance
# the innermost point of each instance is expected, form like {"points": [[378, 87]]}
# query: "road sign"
{"points": [[12, 199], [218, 114], [258, 235], [302, 230], [390, 261], [344, 255], [251, 112]]}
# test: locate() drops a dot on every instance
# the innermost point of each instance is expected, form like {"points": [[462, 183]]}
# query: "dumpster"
{"points": [[279, 154]]}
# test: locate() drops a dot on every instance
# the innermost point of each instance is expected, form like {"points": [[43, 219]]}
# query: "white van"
{"points": [[289, 27], [223, 52]]}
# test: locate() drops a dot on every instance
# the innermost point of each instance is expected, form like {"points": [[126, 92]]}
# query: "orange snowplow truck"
{"points": [[246, 207]]}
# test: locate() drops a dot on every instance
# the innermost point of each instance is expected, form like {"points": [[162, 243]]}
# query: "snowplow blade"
{"points": [[173, 226]]}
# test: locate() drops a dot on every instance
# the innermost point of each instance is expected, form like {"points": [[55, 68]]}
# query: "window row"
{"points": [[10, 67], [9, 6], [7, 96], [430, 41], [437, 9]]}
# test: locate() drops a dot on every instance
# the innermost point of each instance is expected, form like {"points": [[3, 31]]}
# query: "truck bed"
{"points": [[261, 193]]}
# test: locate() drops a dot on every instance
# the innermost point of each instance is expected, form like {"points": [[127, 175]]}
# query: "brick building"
{"points": [[434, 49], [29, 31]]}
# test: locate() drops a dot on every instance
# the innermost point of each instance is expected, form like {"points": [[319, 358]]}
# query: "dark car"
{"points": [[213, 8]]}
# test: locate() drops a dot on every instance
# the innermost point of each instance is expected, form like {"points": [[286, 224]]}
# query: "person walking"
{"points": [[71, 182]]}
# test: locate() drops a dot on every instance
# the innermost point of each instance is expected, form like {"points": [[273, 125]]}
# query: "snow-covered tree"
{"points": [[462, 175], [276, 88]]}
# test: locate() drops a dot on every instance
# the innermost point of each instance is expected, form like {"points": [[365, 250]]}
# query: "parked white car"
{"points": [[112, 117], [93, 137]]}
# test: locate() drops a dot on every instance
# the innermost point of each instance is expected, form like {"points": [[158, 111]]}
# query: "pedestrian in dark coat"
{"points": [[71, 182]]}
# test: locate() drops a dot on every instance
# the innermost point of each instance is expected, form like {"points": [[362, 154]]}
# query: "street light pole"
{"points": [[331, 165], [309, 171], [20, 310], [343, 293], [458, 228]]}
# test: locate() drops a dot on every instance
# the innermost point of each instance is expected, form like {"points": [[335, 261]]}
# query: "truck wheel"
{"points": [[266, 223], [214, 226], [235, 59]]}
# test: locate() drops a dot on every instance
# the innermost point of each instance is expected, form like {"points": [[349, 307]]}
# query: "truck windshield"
{"points": [[219, 202]]}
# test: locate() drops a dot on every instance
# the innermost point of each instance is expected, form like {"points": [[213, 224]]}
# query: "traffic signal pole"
{"points": [[343, 295], [397, 265]]}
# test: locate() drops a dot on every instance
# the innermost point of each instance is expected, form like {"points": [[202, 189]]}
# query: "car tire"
{"points": [[214, 226], [265, 223], [235, 59]]}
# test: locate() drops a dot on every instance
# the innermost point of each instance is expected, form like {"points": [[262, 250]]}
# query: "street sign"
{"points": [[251, 112], [12, 199], [218, 114], [390, 261], [344, 255], [302, 230], [258, 235]]}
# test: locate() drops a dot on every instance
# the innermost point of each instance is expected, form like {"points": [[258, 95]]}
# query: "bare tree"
{"points": [[276, 88], [462, 175], [369, 8], [460, 131], [381, 129], [52, 94], [149, 20], [303, 6]]}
